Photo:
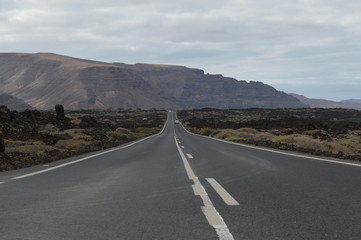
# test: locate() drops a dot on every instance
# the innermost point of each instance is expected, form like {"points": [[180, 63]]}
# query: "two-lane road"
{"points": [[176, 185]]}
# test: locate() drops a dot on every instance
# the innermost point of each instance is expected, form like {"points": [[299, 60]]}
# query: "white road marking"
{"points": [[188, 168], [46, 165], [210, 212], [2, 182], [213, 216], [182, 146], [198, 190], [92, 156], [227, 198], [275, 151], [189, 156]]}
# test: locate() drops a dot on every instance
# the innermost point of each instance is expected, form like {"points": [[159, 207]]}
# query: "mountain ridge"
{"points": [[323, 103], [45, 79]]}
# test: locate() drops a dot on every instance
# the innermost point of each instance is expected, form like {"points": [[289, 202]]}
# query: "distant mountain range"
{"points": [[43, 80], [322, 103]]}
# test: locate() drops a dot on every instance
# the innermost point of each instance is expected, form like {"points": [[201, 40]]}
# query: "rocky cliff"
{"points": [[44, 79]]}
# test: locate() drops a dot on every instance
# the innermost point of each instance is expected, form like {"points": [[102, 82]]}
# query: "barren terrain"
{"points": [[328, 132], [34, 137]]}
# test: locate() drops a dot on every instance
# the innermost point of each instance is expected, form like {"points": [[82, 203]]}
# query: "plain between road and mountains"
{"points": [[177, 185]]}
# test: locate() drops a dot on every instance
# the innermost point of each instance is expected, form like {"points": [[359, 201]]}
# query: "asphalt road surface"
{"points": [[176, 185]]}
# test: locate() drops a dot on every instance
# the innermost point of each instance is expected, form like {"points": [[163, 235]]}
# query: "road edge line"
{"points": [[275, 151]]}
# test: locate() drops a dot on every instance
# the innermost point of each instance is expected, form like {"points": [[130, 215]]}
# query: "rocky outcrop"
{"points": [[44, 80]]}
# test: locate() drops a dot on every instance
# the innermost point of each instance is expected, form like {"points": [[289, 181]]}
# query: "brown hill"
{"points": [[44, 79], [322, 103]]}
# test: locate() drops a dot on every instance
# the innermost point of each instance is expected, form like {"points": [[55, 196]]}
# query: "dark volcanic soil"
{"points": [[36, 137]]}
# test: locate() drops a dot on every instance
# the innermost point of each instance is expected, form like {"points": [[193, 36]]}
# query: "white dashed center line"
{"points": [[227, 198], [210, 212], [189, 156]]}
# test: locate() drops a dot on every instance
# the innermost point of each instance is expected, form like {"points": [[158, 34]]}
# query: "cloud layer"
{"points": [[310, 47]]}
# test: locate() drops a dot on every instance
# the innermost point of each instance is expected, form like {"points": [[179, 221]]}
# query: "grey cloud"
{"points": [[288, 44]]}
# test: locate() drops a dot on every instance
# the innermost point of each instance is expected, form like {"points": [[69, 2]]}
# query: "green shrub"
{"points": [[205, 131]]}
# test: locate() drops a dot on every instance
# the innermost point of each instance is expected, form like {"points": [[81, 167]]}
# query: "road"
{"points": [[176, 185]]}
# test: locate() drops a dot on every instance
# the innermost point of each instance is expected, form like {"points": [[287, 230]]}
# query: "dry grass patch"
{"points": [[71, 144], [38, 149], [81, 136], [74, 131]]}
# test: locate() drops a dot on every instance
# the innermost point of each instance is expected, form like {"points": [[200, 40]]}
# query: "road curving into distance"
{"points": [[177, 185]]}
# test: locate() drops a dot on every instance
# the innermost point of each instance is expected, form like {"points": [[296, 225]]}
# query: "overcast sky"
{"points": [[310, 47]]}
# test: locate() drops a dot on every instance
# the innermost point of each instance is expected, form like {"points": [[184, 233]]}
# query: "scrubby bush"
{"points": [[71, 144], [83, 137], [146, 131], [233, 138], [37, 149], [247, 132], [114, 135], [205, 131], [123, 130], [264, 136]]}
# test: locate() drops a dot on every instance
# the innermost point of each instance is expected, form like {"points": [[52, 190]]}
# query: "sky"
{"points": [[309, 47]]}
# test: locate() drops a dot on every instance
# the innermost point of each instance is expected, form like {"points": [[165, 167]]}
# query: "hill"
{"points": [[322, 103], [45, 79], [13, 103]]}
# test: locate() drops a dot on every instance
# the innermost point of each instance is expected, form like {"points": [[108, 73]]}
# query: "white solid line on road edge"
{"points": [[275, 151], [189, 156], [227, 198], [92, 156], [213, 217]]}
